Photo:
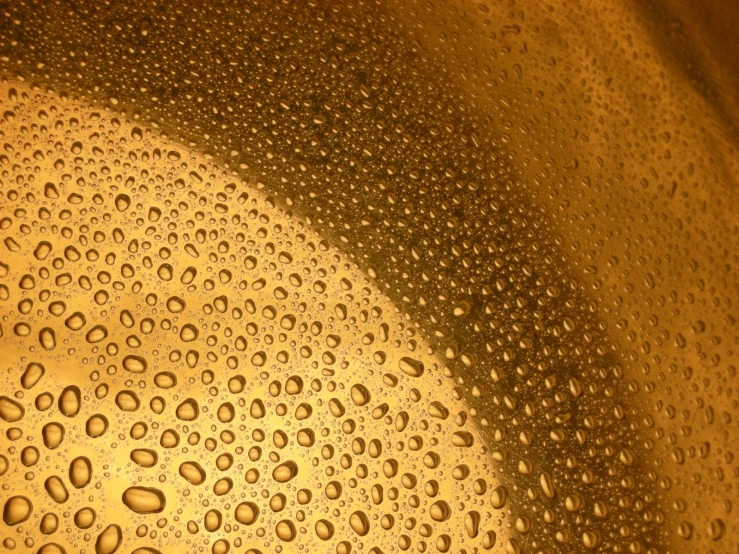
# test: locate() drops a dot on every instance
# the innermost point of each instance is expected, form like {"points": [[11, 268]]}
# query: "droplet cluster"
{"points": [[185, 365]]}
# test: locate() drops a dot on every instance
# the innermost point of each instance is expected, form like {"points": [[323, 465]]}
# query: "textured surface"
{"points": [[463, 277]]}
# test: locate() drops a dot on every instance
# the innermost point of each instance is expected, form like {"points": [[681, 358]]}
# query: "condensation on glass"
{"points": [[368, 277]]}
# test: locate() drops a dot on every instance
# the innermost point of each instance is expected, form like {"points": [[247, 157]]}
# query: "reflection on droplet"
{"points": [[84, 518], [70, 401], [56, 489], [359, 523], [135, 364], [285, 472], [80, 472], [411, 367], [10, 410], [96, 426], [246, 513], [31, 376], [49, 524], [109, 540], [192, 472], [144, 500], [17, 509], [145, 457], [285, 530]]}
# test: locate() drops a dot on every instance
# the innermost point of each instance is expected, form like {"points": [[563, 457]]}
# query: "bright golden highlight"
{"points": [[201, 368]]}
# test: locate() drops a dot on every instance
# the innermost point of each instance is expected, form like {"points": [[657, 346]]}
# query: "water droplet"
{"points": [[109, 540], [17, 509], [411, 367], [144, 500]]}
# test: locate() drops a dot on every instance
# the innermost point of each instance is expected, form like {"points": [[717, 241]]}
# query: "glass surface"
{"points": [[369, 277]]}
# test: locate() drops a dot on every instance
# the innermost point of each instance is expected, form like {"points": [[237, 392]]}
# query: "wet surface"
{"points": [[368, 277]]}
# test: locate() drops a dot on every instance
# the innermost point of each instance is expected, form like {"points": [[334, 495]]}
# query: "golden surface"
{"points": [[368, 277]]}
